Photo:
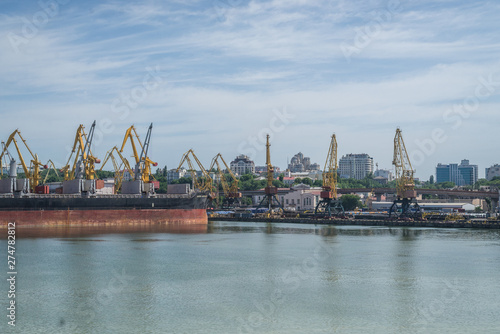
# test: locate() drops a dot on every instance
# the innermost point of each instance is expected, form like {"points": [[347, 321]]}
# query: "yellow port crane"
{"points": [[405, 185], [329, 203], [143, 163], [118, 167], [84, 162], [204, 184], [270, 191], [231, 193], [32, 172], [51, 166]]}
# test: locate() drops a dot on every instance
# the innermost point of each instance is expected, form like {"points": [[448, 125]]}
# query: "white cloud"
{"points": [[224, 78]]}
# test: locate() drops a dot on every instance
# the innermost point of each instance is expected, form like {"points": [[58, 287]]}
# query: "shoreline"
{"points": [[368, 222]]}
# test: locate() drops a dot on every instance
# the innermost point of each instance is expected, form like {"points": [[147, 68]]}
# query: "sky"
{"points": [[217, 76]]}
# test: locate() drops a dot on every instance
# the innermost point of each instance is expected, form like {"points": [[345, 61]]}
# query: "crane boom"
{"points": [[33, 171], [206, 185], [117, 167], [230, 190], [50, 165]]}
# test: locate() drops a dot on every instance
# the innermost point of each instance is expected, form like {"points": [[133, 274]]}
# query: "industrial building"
{"points": [[301, 197]]}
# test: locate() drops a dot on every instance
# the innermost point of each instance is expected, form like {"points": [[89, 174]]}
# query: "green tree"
{"points": [[307, 181], [246, 200], [350, 202], [431, 179], [446, 185]]}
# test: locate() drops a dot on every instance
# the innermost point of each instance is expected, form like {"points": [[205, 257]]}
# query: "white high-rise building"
{"points": [[242, 165], [492, 171], [355, 166]]}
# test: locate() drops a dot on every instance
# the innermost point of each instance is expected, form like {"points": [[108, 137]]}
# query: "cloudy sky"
{"points": [[216, 76]]}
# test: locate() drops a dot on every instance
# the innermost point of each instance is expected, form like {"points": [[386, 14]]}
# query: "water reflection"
{"points": [[86, 231]]}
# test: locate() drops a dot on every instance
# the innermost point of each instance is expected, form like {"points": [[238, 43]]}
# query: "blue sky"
{"points": [[216, 76]]}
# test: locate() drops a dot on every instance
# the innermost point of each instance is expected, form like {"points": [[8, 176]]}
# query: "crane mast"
{"points": [[329, 203], [270, 191], [405, 185]]}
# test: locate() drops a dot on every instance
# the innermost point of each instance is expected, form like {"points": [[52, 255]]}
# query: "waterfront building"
{"points": [[242, 165], [462, 175], [355, 166], [299, 198]]}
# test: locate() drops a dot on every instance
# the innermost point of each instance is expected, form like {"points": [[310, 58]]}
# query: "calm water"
{"points": [[259, 278]]}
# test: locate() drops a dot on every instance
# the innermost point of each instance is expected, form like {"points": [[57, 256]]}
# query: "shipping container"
{"points": [[42, 189]]}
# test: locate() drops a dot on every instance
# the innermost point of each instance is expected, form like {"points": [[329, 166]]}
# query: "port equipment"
{"points": [[231, 193], [118, 167], [142, 170], [84, 161], [329, 204], [33, 171], [50, 166], [204, 184], [270, 191], [405, 206]]}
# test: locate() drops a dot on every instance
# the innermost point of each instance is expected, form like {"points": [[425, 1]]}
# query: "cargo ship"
{"points": [[77, 210], [83, 200]]}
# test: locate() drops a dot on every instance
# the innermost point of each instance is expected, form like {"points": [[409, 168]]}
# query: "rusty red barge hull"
{"points": [[105, 210]]}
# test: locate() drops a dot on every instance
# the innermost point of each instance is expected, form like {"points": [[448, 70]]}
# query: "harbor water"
{"points": [[247, 277]]}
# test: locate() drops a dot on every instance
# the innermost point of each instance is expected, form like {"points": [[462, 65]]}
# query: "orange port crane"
{"points": [[329, 203], [143, 163], [32, 172], [405, 206], [84, 161], [204, 184], [231, 193], [270, 191]]}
